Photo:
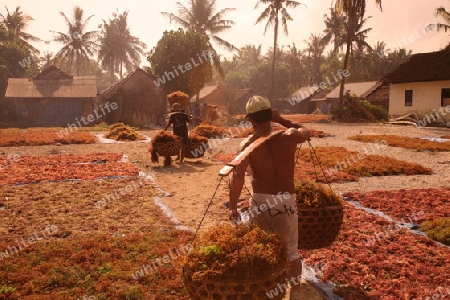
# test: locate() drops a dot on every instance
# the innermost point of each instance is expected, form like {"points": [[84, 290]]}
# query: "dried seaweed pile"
{"points": [[311, 194], [210, 131], [121, 132], [227, 252]]}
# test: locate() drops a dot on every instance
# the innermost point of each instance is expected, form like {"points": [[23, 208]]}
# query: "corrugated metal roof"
{"points": [[112, 89], [358, 89], [52, 73], [305, 92], [78, 87], [205, 92], [240, 93]]}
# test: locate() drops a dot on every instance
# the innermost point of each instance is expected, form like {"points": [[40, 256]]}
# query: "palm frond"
{"points": [[224, 43], [176, 19]]}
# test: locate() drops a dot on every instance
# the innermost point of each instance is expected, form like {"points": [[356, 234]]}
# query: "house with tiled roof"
{"points": [[421, 85], [373, 91]]}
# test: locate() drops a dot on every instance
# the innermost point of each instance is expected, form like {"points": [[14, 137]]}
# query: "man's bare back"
{"points": [[273, 164]]}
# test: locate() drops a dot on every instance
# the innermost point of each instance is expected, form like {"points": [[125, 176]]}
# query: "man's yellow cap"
{"points": [[257, 103]]}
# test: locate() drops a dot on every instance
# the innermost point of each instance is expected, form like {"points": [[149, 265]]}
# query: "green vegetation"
{"points": [[355, 110], [186, 47]]}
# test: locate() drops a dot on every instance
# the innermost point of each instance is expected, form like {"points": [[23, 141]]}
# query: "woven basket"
{"points": [[219, 289], [319, 227], [193, 148], [167, 148]]}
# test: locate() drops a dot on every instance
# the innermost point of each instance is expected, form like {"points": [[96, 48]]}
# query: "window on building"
{"points": [[445, 97], [408, 97]]}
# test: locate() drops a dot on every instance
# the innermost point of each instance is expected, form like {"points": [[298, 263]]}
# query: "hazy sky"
{"points": [[399, 20]]}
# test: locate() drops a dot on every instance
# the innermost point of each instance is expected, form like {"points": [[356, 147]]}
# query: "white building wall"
{"points": [[426, 98]]}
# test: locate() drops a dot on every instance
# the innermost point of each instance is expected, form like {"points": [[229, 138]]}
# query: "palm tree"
{"points": [[249, 55], [335, 30], [46, 60], [201, 16], [293, 60], [354, 11], [443, 14], [359, 38], [15, 23], [272, 14], [79, 44], [118, 48], [314, 51]]}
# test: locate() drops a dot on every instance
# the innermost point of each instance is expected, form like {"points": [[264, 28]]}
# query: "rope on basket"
{"points": [[207, 209], [317, 164]]}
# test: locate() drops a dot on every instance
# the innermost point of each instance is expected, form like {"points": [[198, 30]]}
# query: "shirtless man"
{"points": [[273, 206]]}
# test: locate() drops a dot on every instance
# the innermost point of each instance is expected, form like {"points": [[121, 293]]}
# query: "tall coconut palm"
{"points": [[79, 44], [354, 11], [15, 23], [443, 14], [201, 16], [334, 30], [118, 48], [273, 11]]}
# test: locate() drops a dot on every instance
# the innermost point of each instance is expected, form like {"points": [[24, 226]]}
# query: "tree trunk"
{"points": [[111, 74], [275, 38], [345, 67], [78, 65]]}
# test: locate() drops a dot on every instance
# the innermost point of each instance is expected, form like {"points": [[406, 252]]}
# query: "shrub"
{"points": [[352, 111]]}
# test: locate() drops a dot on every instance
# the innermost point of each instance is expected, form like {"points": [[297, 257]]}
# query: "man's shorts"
{"points": [[277, 214]]}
